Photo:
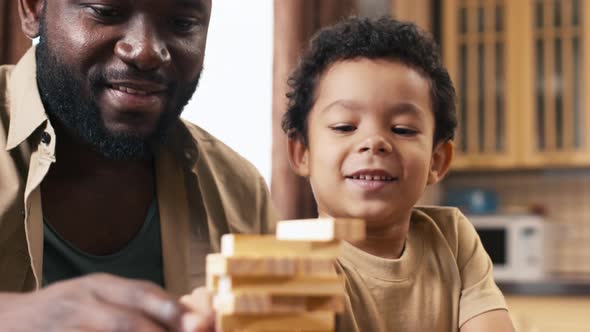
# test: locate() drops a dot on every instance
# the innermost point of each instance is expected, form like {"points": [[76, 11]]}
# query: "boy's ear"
{"points": [[30, 14], [298, 155], [442, 155]]}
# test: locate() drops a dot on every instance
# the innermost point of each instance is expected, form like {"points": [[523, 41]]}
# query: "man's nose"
{"points": [[142, 47], [376, 144]]}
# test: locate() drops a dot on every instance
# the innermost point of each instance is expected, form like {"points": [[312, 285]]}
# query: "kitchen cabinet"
{"points": [[549, 314], [520, 75]]}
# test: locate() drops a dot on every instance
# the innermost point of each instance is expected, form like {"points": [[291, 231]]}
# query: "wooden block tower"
{"points": [[282, 283]]}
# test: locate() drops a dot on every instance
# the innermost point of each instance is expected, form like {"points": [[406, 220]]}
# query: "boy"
{"points": [[371, 120]]}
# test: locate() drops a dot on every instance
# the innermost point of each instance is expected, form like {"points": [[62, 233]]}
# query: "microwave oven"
{"points": [[517, 245]]}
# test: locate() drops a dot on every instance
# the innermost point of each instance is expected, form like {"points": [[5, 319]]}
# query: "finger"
{"points": [[199, 300], [193, 322], [110, 317], [144, 297], [201, 316]]}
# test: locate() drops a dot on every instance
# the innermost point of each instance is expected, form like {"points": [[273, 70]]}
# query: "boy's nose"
{"points": [[376, 145]]}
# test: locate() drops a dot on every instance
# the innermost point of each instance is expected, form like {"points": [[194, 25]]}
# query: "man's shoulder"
{"points": [[224, 175], [5, 72], [218, 155]]}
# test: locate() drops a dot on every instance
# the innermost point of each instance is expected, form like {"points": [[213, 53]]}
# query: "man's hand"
{"points": [[199, 304], [97, 303]]}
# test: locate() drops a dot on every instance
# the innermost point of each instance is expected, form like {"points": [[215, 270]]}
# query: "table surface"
{"points": [[548, 287]]}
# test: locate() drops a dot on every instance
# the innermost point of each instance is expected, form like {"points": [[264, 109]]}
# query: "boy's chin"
{"points": [[380, 217], [375, 215]]}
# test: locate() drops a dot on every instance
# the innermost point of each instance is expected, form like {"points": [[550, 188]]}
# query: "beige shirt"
{"points": [[443, 278], [204, 190]]}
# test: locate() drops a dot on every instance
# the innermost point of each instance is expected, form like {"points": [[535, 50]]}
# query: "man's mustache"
{"points": [[129, 74]]}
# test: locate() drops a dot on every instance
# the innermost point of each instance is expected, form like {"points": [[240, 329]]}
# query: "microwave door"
{"points": [[496, 242]]}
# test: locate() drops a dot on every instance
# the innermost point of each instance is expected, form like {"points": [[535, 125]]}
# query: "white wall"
{"points": [[233, 100]]}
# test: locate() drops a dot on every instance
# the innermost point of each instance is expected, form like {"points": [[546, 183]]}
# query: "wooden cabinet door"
{"points": [[558, 120], [476, 47], [521, 69]]}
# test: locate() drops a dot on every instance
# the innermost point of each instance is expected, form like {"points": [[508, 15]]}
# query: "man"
{"points": [[98, 174]]}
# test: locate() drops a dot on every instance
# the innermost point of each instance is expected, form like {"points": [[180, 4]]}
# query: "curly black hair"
{"points": [[382, 38]]}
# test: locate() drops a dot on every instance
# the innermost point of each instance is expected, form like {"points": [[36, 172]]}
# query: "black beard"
{"points": [[62, 92]]}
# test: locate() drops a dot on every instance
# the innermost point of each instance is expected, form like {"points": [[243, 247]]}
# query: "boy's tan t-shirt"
{"points": [[443, 278]]}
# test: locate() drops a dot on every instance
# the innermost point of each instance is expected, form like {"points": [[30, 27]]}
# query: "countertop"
{"points": [[546, 287]]}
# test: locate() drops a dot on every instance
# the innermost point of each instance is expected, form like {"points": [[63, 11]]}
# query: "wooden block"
{"points": [[250, 266], [268, 245], [257, 303], [323, 229], [211, 282], [292, 330], [218, 264], [325, 303], [303, 322], [263, 303], [309, 286]]}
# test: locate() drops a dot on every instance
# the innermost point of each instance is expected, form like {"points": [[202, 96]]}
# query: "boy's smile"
{"points": [[370, 141], [371, 179]]}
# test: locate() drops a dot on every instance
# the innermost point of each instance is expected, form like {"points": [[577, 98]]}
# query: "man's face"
{"points": [[370, 141], [117, 73]]}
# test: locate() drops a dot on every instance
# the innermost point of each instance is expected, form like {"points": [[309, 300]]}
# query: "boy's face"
{"points": [[370, 141]]}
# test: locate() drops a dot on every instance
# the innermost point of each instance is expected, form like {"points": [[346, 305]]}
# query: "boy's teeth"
{"points": [[372, 178]]}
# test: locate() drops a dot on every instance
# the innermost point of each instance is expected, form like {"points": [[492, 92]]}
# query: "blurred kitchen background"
{"points": [[522, 170]]}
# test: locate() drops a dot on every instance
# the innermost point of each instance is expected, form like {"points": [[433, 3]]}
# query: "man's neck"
{"points": [[79, 159], [95, 203]]}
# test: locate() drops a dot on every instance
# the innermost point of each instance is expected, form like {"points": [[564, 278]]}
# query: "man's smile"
{"points": [[138, 87], [136, 96]]}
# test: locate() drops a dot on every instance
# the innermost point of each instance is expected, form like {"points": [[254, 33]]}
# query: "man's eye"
{"points": [[405, 131], [185, 24], [105, 11], [343, 128]]}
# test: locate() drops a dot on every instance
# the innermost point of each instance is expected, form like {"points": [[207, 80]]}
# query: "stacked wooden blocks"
{"points": [[287, 282]]}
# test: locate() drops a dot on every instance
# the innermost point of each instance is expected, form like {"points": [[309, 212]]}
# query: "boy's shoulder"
{"points": [[446, 222], [442, 216]]}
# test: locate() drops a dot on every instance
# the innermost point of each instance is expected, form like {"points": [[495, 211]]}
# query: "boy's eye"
{"points": [[405, 131], [343, 128]]}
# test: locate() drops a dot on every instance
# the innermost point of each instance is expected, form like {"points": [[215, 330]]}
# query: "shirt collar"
{"points": [[26, 109]]}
